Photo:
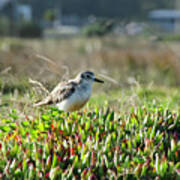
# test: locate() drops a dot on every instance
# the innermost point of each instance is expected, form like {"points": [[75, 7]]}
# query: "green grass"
{"points": [[126, 134], [170, 37], [142, 96], [130, 132]]}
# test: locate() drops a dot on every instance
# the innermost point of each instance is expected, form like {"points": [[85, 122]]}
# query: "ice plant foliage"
{"points": [[144, 143]]}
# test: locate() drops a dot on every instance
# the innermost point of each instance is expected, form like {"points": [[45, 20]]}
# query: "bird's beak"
{"points": [[98, 80]]}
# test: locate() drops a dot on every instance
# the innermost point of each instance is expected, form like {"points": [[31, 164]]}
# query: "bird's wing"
{"points": [[63, 91], [60, 92]]}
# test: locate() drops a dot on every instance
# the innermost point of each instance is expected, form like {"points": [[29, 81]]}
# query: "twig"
{"points": [[51, 62], [39, 84], [66, 74], [6, 70], [110, 79], [46, 59]]}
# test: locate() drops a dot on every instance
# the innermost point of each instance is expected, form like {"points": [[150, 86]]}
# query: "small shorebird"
{"points": [[71, 95]]}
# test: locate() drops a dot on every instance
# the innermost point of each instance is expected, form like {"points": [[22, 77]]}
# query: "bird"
{"points": [[73, 94]]}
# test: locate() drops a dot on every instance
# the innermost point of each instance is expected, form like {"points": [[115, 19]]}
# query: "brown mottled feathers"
{"points": [[62, 91]]}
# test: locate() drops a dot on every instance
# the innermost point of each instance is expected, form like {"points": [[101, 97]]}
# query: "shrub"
{"points": [[4, 26], [169, 37], [50, 15], [9, 86], [30, 30], [99, 28]]}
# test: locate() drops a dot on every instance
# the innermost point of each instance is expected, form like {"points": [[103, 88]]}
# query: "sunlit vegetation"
{"points": [[97, 144], [128, 130]]}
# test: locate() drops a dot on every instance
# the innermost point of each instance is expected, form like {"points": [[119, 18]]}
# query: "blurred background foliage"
{"points": [[123, 9], [128, 60], [114, 38], [49, 11]]}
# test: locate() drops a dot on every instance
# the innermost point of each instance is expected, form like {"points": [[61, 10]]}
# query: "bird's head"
{"points": [[89, 77]]}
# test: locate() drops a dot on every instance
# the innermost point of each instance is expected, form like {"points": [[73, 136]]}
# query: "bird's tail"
{"points": [[41, 103]]}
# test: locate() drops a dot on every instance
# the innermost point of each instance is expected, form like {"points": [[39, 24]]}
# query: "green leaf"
{"points": [[138, 160], [13, 126], [5, 128], [46, 117], [25, 123], [144, 170], [41, 127], [54, 162]]}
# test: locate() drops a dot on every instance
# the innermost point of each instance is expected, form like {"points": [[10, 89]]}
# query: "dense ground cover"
{"points": [[128, 130], [133, 142]]}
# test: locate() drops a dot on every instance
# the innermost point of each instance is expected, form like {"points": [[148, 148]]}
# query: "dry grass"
{"points": [[119, 58]]}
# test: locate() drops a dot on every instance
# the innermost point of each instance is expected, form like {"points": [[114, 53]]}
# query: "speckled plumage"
{"points": [[73, 94]]}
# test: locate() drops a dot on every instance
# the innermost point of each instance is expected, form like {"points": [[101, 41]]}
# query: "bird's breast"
{"points": [[76, 101]]}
